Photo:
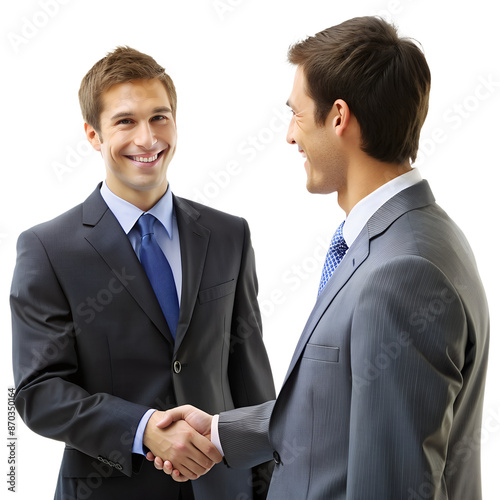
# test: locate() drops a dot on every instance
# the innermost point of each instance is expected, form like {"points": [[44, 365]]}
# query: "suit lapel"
{"points": [[353, 259], [108, 239], [416, 196], [194, 240]]}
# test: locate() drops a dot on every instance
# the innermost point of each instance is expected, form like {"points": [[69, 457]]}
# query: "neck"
{"points": [[365, 176], [142, 199]]}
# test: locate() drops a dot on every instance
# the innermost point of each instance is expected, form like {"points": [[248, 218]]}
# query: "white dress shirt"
{"points": [[365, 208]]}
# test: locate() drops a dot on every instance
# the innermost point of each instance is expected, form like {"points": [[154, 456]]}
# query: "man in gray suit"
{"points": [[383, 396], [97, 349]]}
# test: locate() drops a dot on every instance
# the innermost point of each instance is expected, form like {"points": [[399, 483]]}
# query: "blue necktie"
{"points": [[336, 252], [159, 271]]}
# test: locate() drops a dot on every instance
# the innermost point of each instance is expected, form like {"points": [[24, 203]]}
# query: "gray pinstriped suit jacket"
{"points": [[383, 396]]}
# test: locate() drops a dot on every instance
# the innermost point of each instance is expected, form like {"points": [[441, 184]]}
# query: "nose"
{"points": [[145, 137], [289, 134]]}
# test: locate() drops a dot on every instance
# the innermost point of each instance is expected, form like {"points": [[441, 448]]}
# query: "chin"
{"points": [[310, 186], [319, 188], [313, 185], [315, 190]]}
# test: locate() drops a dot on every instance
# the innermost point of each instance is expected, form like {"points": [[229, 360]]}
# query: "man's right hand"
{"points": [[191, 453]]}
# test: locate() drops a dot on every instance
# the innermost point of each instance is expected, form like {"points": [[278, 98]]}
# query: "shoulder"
{"points": [[423, 249], [426, 232], [208, 216], [422, 260], [56, 227], [70, 222]]}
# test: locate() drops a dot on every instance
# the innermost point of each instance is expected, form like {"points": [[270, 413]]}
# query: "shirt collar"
{"points": [[127, 214], [365, 208]]}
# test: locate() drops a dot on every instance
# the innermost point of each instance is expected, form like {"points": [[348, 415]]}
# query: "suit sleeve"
{"points": [[409, 336], [250, 373], [244, 435], [45, 360]]}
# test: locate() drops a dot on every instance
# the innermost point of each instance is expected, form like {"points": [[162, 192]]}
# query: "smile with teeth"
{"points": [[145, 159]]}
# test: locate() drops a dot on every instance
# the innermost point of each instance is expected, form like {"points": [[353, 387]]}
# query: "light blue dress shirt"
{"points": [[167, 236]]}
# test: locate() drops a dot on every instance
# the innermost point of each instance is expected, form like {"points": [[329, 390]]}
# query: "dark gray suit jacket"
{"points": [[383, 397], [92, 350]]}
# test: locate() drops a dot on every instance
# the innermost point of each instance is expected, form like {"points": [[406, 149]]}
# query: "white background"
{"points": [[228, 61]]}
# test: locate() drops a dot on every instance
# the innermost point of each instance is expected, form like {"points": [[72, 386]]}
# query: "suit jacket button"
{"points": [[177, 367], [277, 458]]}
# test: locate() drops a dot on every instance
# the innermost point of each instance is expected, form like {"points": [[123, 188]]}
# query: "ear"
{"points": [[92, 136], [341, 117]]}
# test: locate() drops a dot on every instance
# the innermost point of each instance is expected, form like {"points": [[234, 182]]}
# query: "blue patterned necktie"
{"points": [[336, 252], [159, 271]]}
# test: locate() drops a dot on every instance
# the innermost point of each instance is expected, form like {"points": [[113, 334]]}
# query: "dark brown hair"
{"points": [[122, 65], [384, 79]]}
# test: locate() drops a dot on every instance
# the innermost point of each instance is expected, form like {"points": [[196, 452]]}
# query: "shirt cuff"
{"points": [[138, 446], [214, 434]]}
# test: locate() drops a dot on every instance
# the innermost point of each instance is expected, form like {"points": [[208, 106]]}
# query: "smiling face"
{"points": [[137, 140], [325, 163]]}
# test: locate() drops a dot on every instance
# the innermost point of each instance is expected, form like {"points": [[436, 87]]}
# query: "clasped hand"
{"points": [[179, 442]]}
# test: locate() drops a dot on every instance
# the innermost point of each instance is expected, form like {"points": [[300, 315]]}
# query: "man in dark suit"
{"points": [[96, 353], [383, 396]]}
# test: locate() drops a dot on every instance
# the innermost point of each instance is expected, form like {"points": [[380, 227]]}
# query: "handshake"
{"points": [[179, 442]]}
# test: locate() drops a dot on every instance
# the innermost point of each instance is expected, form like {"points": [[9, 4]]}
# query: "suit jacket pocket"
{"points": [[216, 292], [322, 353]]}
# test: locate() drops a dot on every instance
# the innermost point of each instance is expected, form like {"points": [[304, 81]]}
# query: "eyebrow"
{"points": [[162, 109], [127, 114]]}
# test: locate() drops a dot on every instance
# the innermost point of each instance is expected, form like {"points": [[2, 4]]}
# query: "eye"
{"points": [[125, 121], [158, 118]]}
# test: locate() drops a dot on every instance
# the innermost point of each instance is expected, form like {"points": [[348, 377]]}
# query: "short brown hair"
{"points": [[122, 65], [384, 79]]}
